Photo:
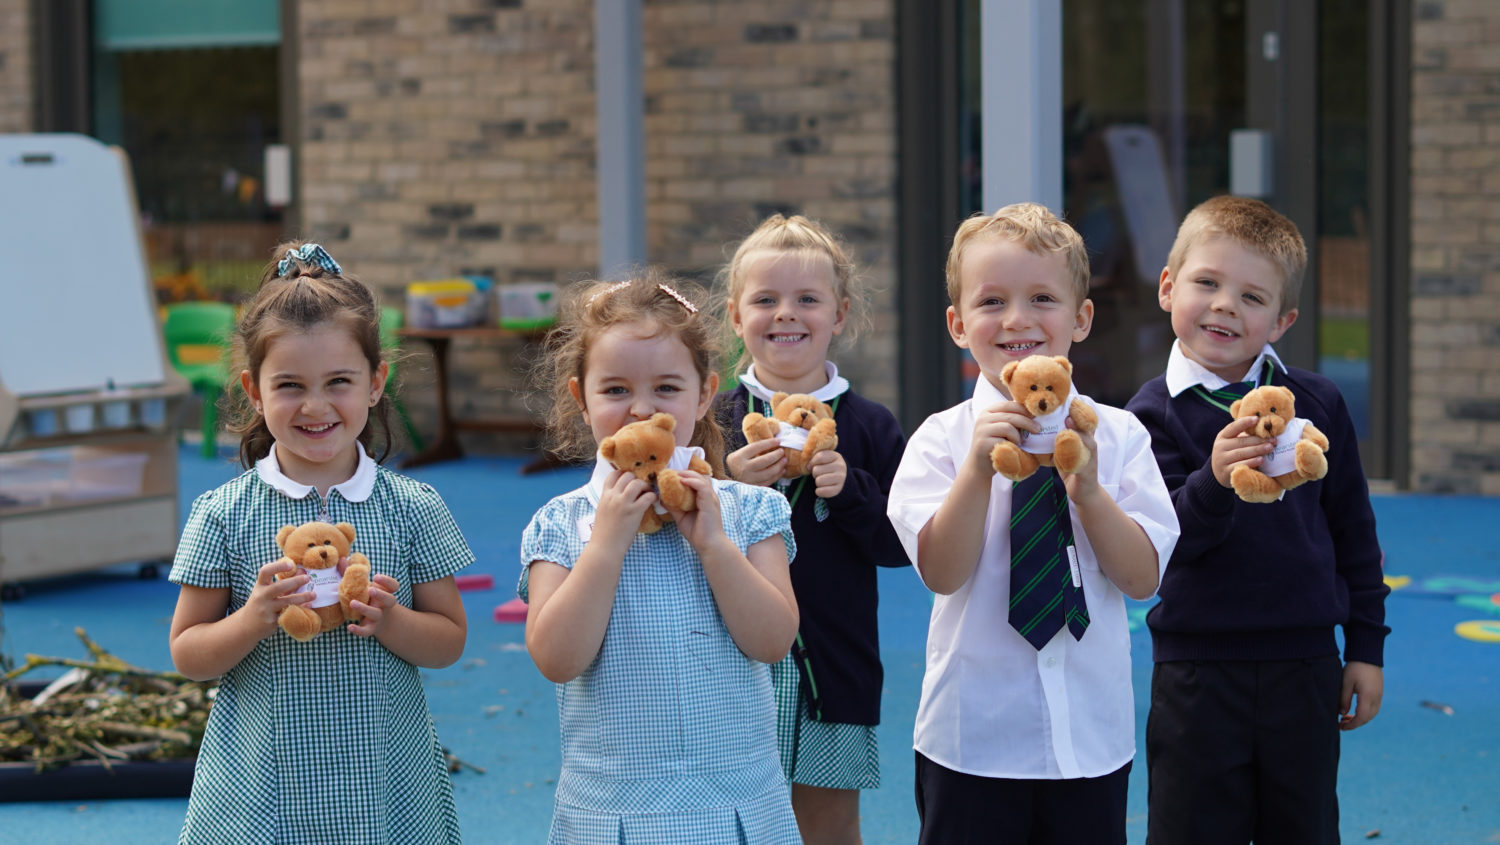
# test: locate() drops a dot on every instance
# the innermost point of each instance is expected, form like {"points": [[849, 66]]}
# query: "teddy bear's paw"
{"points": [[1311, 463], [354, 586], [651, 522], [300, 623], [1084, 418], [673, 493], [1011, 462], [1069, 455], [1254, 486]]}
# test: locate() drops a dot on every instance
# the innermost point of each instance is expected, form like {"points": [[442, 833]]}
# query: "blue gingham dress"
{"points": [[327, 741], [669, 736]]}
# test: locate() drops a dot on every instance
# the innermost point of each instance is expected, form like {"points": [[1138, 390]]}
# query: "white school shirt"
{"points": [[992, 705]]}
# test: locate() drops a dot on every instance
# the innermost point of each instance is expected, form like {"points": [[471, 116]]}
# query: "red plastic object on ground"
{"points": [[512, 611]]}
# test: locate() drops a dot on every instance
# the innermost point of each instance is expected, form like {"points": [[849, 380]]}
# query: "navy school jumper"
{"points": [[1265, 581], [834, 575]]}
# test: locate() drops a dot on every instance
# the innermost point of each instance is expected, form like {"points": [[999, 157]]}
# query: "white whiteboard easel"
{"points": [[75, 304]]}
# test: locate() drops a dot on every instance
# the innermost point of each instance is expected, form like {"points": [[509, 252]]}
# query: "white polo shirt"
{"points": [[992, 705]]}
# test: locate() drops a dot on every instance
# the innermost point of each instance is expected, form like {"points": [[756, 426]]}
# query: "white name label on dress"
{"points": [[585, 527]]}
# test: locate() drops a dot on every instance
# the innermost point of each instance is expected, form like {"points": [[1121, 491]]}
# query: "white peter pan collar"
{"points": [[356, 488]]}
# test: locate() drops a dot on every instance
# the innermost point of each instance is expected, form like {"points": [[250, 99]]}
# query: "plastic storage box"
{"points": [[446, 304], [528, 305]]}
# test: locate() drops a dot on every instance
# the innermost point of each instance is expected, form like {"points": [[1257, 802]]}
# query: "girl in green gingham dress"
{"points": [[659, 642], [329, 740]]}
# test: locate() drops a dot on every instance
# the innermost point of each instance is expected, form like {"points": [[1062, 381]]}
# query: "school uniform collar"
{"points": [[827, 393], [1183, 372], [986, 394], [682, 456], [356, 489]]}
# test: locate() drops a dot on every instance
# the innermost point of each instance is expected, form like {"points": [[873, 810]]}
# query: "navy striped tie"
{"points": [[1042, 595]]}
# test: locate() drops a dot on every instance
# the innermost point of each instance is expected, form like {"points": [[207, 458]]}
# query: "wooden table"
{"points": [[446, 446]]}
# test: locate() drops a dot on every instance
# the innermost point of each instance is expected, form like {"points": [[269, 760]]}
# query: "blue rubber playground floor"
{"points": [[1427, 770]]}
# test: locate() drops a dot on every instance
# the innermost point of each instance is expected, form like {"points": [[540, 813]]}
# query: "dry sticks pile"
{"points": [[102, 709]]}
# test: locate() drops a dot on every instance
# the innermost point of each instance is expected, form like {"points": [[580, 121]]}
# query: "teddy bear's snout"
{"points": [[1042, 404], [651, 478]]}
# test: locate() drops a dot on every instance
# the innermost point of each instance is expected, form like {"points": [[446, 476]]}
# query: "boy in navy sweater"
{"points": [[1249, 694]]}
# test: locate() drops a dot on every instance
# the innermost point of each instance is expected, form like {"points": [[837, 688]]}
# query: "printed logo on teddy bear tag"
{"points": [[323, 584], [1283, 458], [1045, 441]]}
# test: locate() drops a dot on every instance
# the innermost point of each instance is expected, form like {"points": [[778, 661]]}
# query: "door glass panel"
{"points": [[1343, 238], [1151, 91]]}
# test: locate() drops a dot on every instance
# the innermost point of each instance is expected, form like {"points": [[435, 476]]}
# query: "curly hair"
{"points": [[670, 306]]}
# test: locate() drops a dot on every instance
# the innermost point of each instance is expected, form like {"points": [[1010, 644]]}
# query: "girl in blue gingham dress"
{"points": [[329, 740], [659, 642]]}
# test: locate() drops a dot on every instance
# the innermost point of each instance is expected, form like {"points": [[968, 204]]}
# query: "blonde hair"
{"points": [[1253, 225], [804, 239], [1034, 227], [294, 298], [671, 306]]}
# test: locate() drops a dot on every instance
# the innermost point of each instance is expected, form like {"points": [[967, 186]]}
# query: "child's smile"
{"points": [[787, 315]]}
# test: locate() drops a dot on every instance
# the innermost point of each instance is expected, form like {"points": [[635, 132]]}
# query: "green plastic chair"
{"points": [[197, 339], [391, 319]]}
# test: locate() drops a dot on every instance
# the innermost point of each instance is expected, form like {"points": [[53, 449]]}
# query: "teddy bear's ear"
{"points": [[1062, 361], [1009, 370], [607, 448], [663, 420], [347, 530], [778, 398], [285, 532], [1234, 408]]}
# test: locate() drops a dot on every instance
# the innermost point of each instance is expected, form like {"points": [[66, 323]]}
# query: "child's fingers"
{"points": [[1238, 426], [268, 573], [386, 582]]}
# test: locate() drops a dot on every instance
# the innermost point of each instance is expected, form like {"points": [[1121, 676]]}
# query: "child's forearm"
{"points": [[1124, 551], [423, 638], [566, 626], [761, 616], [949, 545], [207, 650]]}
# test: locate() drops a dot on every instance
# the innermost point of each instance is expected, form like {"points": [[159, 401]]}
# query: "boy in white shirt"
{"points": [[1026, 739]]}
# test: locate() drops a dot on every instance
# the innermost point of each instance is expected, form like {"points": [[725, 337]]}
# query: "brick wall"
{"points": [[15, 67], [1455, 233], [461, 140], [783, 106]]}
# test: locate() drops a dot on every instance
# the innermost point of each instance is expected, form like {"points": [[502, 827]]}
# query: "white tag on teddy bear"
{"points": [[324, 585], [1283, 458], [791, 436], [1044, 442], [1073, 566]]}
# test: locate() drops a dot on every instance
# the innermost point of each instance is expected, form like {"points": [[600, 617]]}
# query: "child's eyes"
{"points": [[1044, 297], [288, 385], [1254, 298], [670, 388], [809, 299], [615, 390], [1208, 283]]}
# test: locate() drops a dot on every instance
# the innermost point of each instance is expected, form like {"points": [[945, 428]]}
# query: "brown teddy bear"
{"points": [[1298, 457], [645, 449], [803, 425], [322, 551], [1044, 387]]}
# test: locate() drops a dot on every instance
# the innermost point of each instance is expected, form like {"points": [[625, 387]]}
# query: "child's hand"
{"points": [[621, 506], [1085, 482], [761, 463], [1001, 421], [1235, 446], [702, 526], [269, 596], [828, 473], [1366, 683], [382, 599]]}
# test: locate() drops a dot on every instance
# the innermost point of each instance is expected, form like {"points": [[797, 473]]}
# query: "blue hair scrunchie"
{"points": [[309, 254]]}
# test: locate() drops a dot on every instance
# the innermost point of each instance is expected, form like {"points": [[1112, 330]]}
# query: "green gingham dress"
{"points": [[327, 741], [670, 734]]}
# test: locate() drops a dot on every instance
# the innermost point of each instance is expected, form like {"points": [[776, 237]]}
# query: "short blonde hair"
{"points": [[803, 239], [1253, 225], [1033, 226]]}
